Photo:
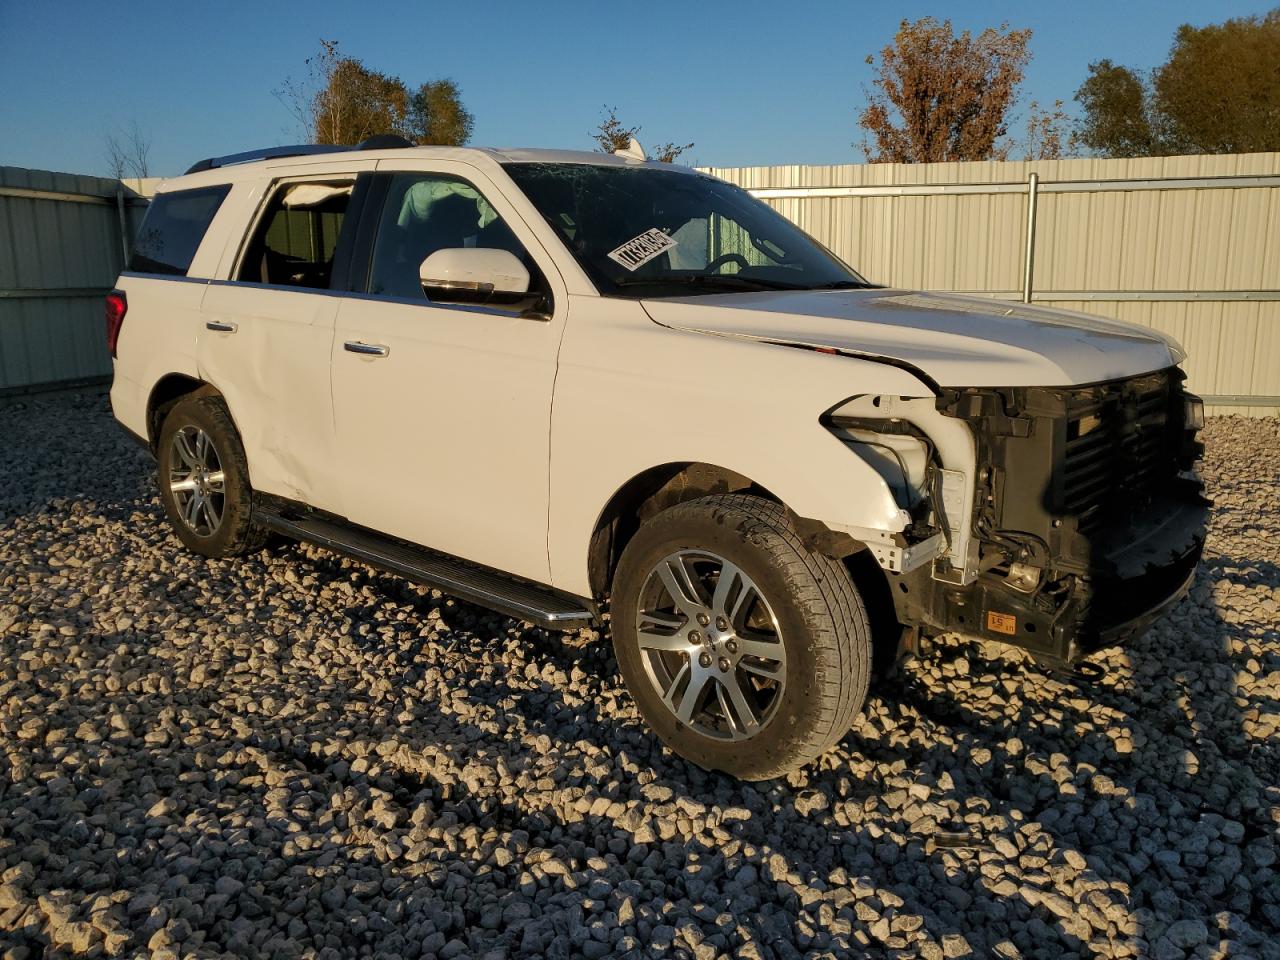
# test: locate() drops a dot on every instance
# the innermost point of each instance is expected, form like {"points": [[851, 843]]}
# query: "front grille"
{"points": [[1121, 447]]}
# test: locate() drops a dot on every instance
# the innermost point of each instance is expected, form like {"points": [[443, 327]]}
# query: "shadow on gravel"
{"points": [[1149, 760], [451, 781]]}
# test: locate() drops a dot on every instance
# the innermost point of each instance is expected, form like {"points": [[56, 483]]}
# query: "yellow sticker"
{"points": [[1002, 622]]}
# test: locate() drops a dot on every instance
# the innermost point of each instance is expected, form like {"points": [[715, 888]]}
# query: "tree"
{"points": [[611, 136], [1218, 92], [669, 152], [1048, 136], [340, 100], [941, 97], [1116, 121], [301, 97], [437, 116], [358, 103], [129, 152]]}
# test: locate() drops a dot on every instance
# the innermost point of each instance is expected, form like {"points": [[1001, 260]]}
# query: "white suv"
{"points": [[544, 381]]}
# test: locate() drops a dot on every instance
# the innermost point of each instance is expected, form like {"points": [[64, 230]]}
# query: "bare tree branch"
{"points": [[129, 152]]}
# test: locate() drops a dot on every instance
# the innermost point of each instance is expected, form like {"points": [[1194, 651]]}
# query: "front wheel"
{"points": [[744, 651]]}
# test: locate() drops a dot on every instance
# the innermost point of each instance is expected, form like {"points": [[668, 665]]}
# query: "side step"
{"points": [[466, 581]]}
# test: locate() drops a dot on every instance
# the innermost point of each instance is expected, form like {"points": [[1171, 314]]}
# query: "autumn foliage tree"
{"points": [[940, 97], [1048, 132], [358, 103], [612, 135], [342, 101]]}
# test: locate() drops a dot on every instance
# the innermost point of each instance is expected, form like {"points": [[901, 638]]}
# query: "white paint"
{"points": [[501, 439]]}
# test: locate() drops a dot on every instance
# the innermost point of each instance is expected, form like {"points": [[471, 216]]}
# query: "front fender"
{"points": [[631, 395]]}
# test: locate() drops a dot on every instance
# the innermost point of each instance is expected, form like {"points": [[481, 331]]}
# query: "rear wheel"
{"points": [[745, 651], [204, 479]]}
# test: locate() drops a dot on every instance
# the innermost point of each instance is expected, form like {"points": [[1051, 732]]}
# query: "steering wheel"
{"points": [[724, 258]]}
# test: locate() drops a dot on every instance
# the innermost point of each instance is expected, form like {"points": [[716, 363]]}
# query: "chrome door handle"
{"points": [[366, 349], [220, 326]]}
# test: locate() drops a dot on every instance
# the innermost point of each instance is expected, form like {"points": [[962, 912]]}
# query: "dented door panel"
{"points": [[273, 369]]}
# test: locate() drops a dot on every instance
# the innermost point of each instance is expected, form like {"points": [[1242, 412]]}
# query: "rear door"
{"points": [[268, 329], [443, 410]]}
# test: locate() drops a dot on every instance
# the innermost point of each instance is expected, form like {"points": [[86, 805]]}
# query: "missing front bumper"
{"points": [[1133, 578]]}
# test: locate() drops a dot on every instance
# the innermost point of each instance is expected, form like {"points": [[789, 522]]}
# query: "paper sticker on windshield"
{"points": [[636, 253]]}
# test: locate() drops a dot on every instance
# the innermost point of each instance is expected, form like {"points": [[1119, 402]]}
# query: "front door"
{"points": [[443, 411]]}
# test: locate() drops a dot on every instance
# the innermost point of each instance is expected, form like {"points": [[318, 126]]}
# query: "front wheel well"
{"points": [[659, 488], [648, 494]]}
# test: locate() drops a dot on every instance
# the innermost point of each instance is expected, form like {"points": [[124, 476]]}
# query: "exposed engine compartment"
{"points": [[1088, 515]]}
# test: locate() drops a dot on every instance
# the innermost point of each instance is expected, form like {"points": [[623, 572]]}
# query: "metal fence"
{"points": [[1188, 245], [63, 240]]}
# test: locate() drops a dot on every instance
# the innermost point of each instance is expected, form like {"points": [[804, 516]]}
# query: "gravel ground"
{"points": [[294, 755]]}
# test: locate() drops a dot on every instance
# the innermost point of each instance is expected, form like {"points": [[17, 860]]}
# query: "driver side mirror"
{"points": [[477, 275]]}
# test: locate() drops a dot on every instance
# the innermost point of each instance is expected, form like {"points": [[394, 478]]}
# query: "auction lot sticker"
{"points": [[636, 253]]}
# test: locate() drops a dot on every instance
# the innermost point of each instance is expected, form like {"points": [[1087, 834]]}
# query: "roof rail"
{"points": [[267, 153], [383, 141]]}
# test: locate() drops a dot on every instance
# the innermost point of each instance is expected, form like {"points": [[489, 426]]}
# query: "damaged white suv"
{"points": [[547, 381]]}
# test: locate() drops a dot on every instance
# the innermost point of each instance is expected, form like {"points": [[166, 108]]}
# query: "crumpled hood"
{"points": [[957, 341]]}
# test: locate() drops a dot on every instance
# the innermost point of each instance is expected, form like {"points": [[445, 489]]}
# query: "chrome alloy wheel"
{"points": [[711, 645], [197, 481]]}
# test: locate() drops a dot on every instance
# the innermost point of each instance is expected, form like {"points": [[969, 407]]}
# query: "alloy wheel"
{"points": [[711, 645], [197, 481]]}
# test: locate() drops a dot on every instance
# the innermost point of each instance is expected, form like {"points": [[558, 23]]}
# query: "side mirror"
{"points": [[474, 275]]}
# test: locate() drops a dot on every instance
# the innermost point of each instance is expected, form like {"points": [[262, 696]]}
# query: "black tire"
{"points": [[235, 532], [819, 616]]}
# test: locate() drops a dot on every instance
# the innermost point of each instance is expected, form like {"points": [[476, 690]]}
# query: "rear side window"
{"points": [[173, 228], [297, 236]]}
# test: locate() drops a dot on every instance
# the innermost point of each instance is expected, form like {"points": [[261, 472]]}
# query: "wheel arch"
{"points": [[168, 390], [658, 488]]}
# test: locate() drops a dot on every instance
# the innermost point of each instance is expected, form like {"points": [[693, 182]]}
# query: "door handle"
{"points": [[366, 349], [221, 326]]}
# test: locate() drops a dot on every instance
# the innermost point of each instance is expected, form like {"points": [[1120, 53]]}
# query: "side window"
{"points": [[297, 236], [171, 232], [424, 213]]}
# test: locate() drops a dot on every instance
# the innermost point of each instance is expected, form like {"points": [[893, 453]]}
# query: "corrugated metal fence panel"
{"points": [[47, 245], [1207, 239]]}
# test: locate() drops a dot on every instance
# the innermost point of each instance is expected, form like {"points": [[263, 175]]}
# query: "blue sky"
{"points": [[749, 82]]}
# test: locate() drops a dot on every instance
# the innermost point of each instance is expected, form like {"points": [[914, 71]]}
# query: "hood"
{"points": [[956, 341]]}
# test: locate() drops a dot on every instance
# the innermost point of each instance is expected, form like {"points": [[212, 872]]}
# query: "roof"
{"points": [[252, 163]]}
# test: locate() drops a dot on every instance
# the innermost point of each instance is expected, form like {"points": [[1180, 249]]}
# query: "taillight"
{"points": [[117, 307]]}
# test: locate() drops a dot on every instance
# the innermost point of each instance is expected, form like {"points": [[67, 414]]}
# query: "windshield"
{"points": [[641, 232]]}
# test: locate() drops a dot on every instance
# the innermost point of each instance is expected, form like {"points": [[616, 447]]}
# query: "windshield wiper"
{"points": [[843, 285], [702, 279]]}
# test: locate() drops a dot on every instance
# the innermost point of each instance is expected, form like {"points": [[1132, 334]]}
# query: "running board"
{"points": [[466, 581]]}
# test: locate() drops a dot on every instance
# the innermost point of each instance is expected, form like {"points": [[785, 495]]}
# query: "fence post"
{"points": [[1029, 261], [124, 225]]}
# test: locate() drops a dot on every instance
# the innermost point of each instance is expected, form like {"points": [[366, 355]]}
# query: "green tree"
{"points": [[1218, 92], [437, 116], [940, 97], [1116, 121]]}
